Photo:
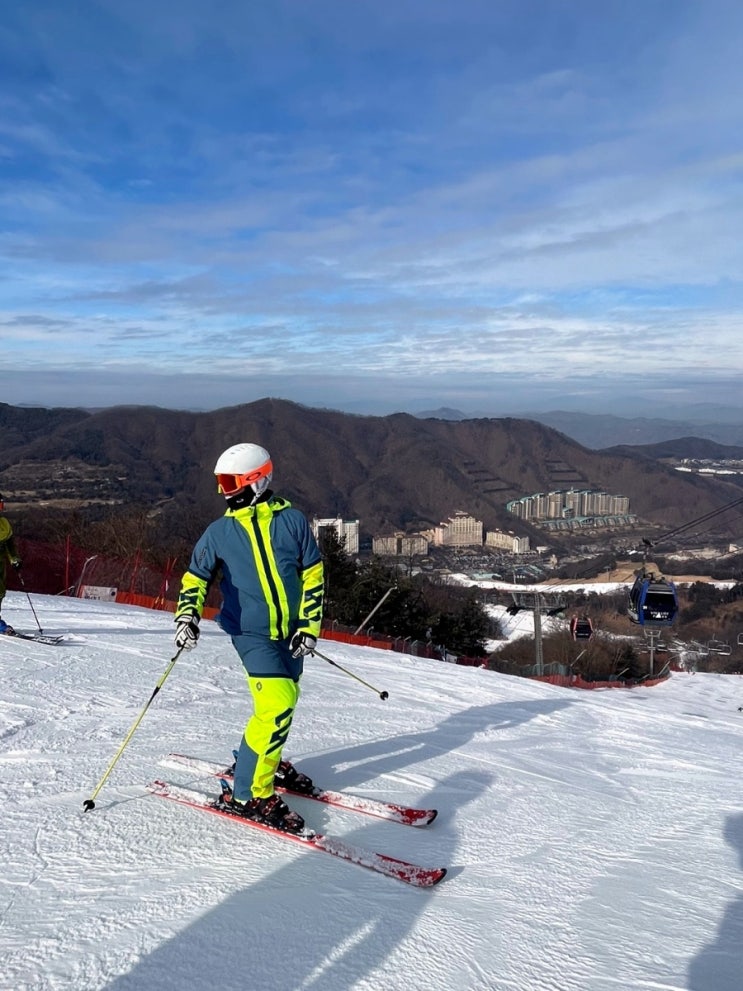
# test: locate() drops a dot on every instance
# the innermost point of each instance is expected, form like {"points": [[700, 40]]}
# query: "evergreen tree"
{"points": [[463, 628], [396, 605], [340, 573]]}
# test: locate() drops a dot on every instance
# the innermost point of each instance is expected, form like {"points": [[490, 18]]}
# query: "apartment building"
{"points": [[568, 504], [347, 531], [506, 541], [400, 545], [460, 530]]}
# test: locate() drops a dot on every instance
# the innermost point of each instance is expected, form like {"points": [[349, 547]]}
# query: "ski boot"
{"points": [[288, 777], [272, 811]]}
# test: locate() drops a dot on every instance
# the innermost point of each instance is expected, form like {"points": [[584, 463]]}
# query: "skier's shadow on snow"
{"points": [[314, 924], [719, 965], [363, 762]]}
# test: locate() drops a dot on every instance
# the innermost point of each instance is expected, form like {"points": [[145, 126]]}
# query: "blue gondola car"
{"points": [[652, 601]]}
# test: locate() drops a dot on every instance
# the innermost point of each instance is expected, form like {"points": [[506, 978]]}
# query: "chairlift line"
{"points": [[702, 519], [555, 586]]}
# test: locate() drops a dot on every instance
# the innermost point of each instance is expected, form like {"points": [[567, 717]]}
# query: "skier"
{"points": [[272, 594], [8, 554]]}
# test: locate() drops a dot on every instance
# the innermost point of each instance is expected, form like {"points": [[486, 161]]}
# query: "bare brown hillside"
{"points": [[393, 472]]}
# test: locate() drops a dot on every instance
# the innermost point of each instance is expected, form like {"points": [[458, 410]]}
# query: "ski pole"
{"points": [[89, 803], [383, 695], [23, 584]]}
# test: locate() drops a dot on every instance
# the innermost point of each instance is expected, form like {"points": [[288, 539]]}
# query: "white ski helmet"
{"points": [[243, 466]]}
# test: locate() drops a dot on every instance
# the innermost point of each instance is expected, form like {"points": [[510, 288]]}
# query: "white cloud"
{"points": [[552, 198]]}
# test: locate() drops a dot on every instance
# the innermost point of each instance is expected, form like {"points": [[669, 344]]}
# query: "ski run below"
{"points": [[593, 840]]}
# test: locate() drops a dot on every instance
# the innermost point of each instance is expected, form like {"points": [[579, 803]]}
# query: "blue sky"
{"points": [[493, 205]]}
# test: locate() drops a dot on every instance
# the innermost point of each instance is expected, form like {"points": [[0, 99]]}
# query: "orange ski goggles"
{"points": [[230, 485]]}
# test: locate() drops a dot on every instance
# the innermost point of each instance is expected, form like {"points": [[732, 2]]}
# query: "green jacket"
{"points": [[8, 550]]}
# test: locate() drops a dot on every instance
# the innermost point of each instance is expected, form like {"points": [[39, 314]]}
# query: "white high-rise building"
{"points": [[347, 530]]}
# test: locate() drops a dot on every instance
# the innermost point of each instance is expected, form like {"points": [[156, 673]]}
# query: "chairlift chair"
{"points": [[719, 647], [695, 647]]}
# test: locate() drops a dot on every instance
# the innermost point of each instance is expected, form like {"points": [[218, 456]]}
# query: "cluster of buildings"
{"points": [[707, 466], [562, 509], [460, 530], [567, 509]]}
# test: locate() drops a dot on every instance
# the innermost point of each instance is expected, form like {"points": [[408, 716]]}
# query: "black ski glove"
{"points": [[302, 644], [187, 631]]}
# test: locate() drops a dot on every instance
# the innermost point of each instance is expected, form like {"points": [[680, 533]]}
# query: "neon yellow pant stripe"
{"points": [[274, 700]]}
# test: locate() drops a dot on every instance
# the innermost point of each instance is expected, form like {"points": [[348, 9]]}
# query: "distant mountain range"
{"points": [[393, 472], [721, 424]]}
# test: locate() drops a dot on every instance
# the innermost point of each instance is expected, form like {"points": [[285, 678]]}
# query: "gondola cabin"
{"points": [[581, 628], [652, 601]]}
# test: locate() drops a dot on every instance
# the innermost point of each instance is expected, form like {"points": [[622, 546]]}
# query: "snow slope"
{"points": [[594, 839]]}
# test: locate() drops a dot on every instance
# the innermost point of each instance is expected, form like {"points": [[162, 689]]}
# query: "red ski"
{"points": [[413, 874], [342, 800]]}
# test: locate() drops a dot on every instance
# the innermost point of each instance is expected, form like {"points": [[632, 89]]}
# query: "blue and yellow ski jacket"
{"points": [[271, 571]]}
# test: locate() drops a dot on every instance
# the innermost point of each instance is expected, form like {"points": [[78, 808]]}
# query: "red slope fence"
{"points": [[63, 569]]}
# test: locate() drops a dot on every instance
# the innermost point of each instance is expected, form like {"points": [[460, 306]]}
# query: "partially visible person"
{"points": [[271, 579], [8, 555]]}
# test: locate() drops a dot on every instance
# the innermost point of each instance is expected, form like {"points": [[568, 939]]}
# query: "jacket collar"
{"points": [[261, 509]]}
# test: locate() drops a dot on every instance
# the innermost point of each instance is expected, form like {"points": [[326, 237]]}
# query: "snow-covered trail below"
{"points": [[594, 839]]}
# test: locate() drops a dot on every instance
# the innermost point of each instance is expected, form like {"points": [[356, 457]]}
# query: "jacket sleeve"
{"points": [[192, 596], [312, 577], [310, 608], [197, 580]]}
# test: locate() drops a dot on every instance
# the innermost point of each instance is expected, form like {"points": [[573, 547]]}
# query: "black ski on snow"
{"points": [[343, 800], [413, 874], [34, 637]]}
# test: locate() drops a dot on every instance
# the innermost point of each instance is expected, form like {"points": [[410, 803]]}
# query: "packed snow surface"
{"points": [[594, 838]]}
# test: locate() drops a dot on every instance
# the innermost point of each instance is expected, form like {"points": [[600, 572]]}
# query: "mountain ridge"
{"points": [[604, 430], [395, 472]]}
